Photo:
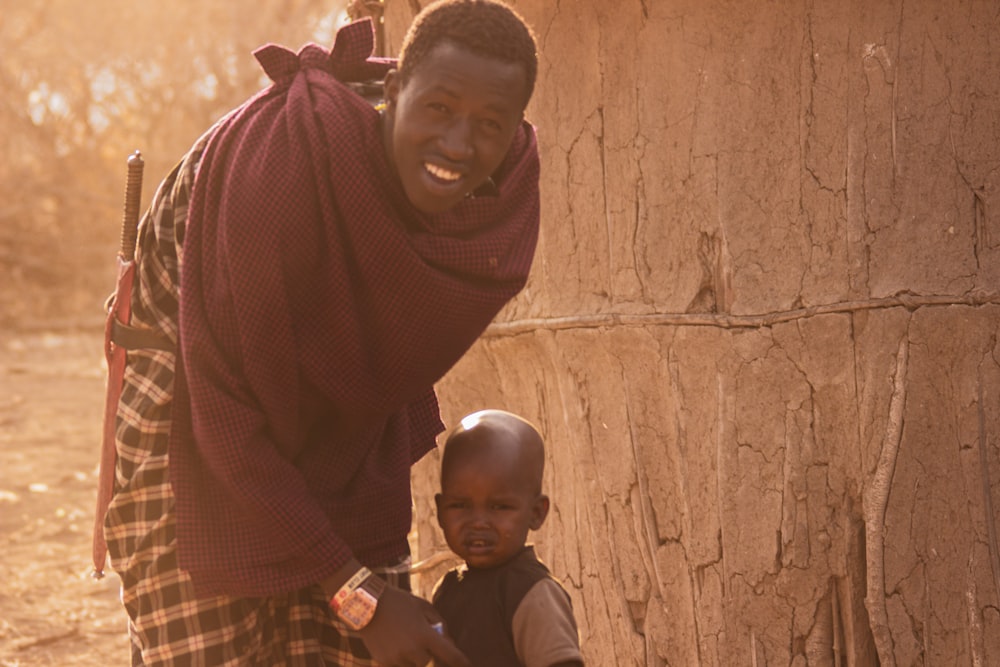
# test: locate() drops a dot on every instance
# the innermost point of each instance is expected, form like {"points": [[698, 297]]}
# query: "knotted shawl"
{"points": [[318, 308]]}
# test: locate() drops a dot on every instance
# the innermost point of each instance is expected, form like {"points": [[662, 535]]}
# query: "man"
{"points": [[318, 265]]}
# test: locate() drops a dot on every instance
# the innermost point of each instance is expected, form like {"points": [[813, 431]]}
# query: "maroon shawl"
{"points": [[318, 308]]}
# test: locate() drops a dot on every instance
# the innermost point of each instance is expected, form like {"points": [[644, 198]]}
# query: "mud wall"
{"points": [[760, 334]]}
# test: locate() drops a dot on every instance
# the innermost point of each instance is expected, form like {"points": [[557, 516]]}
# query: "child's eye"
{"points": [[491, 126]]}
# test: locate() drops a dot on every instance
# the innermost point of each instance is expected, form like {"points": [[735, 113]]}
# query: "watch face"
{"points": [[357, 609]]}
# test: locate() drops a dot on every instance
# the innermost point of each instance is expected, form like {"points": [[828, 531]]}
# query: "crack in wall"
{"points": [[981, 241], [646, 512], [987, 488], [893, 117], [605, 189], [696, 574]]}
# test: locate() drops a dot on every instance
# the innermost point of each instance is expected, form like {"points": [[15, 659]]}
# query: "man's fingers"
{"points": [[445, 652]]}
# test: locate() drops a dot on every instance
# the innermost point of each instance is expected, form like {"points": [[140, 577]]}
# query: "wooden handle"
{"points": [[133, 199]]}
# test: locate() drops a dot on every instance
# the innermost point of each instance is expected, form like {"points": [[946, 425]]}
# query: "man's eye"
{"points": [[438, 107]]}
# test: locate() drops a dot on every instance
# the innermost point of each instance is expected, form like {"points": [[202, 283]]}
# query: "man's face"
{"points": [[448, 127], [486, 509]]}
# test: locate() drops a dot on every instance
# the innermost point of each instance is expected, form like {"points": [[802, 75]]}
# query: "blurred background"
{"points": [[84, 85]]}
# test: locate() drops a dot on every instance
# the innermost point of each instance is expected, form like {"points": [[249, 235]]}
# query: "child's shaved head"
{"points": [[491, 487], [504, 439]]}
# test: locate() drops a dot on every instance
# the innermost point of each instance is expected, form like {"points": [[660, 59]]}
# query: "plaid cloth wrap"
{"points": [[169, 622]]}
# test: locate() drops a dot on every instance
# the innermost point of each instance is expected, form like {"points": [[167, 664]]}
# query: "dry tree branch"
{"points": [[876, 498], [724, 321], [32, 642]]}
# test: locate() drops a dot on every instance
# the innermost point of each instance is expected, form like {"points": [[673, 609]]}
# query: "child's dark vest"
{"points": [[478, 607]]}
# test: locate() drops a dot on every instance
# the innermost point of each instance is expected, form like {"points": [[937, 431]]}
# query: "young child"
{"points": [[502, 607]]}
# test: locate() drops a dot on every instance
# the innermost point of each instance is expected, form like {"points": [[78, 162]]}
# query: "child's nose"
{"points": [[480, 518]]}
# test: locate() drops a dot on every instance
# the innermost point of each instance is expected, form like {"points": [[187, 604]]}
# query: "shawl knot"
{"points": [[350, 59]]}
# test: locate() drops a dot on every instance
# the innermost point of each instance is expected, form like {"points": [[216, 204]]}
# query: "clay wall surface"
{"points": [[760, 335]]}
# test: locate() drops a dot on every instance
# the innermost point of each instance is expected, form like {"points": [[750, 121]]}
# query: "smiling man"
{"points": [[312, 267], [448, 125]]}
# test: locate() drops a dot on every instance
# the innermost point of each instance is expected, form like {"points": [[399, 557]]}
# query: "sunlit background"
{"points": [[86, 83]]}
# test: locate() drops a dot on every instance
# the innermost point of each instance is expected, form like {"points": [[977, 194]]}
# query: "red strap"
{"points": [[121, 311]]}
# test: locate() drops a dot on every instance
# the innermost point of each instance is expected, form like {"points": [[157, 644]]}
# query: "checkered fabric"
{"points": [[168, 623]]}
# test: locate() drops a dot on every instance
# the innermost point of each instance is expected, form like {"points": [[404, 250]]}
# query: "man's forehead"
{"points": [[457, 71], [449, 56]]}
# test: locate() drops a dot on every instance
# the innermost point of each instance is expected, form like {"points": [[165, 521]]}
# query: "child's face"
{"points": [[486, 510]]}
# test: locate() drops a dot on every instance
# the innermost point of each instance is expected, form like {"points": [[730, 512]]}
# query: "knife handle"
{"points": [[133, 199]]}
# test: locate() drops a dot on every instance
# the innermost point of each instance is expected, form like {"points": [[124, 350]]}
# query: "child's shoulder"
{"points": [[527, 563]]}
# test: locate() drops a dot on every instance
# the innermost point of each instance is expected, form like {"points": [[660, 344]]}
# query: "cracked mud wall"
{"points": [[760, 335]]}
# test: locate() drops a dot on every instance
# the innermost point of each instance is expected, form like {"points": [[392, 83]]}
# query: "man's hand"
{"points": [[400, 633]]}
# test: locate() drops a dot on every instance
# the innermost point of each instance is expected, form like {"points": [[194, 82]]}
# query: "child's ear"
{"points": [[539, 511], [437, 503]]}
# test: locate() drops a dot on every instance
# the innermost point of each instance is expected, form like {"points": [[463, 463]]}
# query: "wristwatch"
{"points": [[356, 601]]}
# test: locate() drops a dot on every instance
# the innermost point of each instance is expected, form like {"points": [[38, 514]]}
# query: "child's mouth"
{"points": [[479, 546]]}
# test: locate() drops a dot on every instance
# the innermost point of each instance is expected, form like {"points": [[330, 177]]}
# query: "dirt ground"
{"points": [[51, 611]]}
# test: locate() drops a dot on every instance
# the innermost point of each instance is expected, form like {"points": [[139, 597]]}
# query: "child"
{"points": [[502, 607]]}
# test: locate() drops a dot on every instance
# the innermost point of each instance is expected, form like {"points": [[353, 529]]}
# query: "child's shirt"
{"points": [[515, 615]]}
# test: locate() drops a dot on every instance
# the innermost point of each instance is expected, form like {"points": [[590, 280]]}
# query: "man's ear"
{"points": [[539, 511], [437, 503], [390, 87]]}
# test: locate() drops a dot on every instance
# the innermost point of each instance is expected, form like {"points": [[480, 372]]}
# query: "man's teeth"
{"points": [[441, 172]]}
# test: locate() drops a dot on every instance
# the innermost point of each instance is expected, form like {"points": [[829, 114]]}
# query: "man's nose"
{"points": [[456, 141]]}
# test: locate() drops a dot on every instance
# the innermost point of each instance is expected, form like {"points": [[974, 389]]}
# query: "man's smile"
{"points": [[442, 173], [448, 127]]}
